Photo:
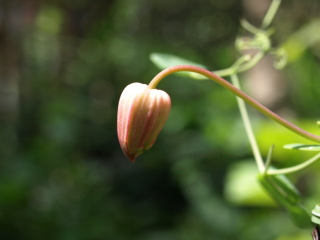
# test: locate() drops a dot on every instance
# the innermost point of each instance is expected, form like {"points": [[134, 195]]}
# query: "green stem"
{"points": [[249, 27], [250, 64], [244, 63], [237, 92], [270, 14], [235, 66], [248, 127], [295, 168], [225, 72], [269, 156]]}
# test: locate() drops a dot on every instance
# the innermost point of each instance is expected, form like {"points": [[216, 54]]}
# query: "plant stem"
{"points": [[249, 27], [237, 92], [269, 156], [244, 63], [270, 14], [295, 168], [248, 127], [250, 64]]}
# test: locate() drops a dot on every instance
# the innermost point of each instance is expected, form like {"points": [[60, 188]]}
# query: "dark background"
{"points": [[63, 65]]}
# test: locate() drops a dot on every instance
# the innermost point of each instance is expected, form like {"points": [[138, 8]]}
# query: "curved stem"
{"points": [[295, 168], [248, 127], [255, 59], [249, 27], [268, 160], [270, 14], [235, 68], [237, 92], [244, 63]]}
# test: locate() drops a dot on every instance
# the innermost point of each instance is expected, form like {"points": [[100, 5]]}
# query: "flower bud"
{"points": [[142, 113]]}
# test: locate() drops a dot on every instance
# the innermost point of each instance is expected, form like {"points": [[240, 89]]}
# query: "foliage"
{"points": [[63, 67]]}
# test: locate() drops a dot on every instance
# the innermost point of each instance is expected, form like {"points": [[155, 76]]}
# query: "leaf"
{"points": [[242, 188], [287, 196], [163, 60], [303, 147], [300, 216]]}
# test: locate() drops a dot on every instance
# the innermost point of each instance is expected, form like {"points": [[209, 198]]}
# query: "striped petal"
{"points": [[142, 113]]}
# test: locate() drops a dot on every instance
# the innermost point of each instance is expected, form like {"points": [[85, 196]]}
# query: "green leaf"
{"points": [[287, 196], [280, 189], [242, 188], [303, 147], [300, 216], [163, 60]]}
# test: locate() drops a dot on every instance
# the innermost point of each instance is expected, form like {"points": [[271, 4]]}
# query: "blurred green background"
{"points": [[63, 65]]}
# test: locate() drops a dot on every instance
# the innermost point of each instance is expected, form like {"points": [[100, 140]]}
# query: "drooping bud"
{"points": [[142, 113]]}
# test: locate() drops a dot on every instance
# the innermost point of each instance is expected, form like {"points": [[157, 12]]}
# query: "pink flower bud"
{"points": [[142, 113]]}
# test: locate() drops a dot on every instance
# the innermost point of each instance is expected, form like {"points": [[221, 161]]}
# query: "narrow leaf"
{"points": [[163, 60], [303, 147]]}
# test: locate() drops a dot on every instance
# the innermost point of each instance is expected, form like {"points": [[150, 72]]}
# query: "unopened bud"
{"points": [[142, 113]]}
